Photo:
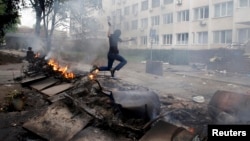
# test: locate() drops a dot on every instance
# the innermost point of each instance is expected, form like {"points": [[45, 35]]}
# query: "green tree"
{"points": [[83, 22], [9, 15], [54, 13]]}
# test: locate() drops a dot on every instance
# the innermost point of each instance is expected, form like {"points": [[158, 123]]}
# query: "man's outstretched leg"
{"points": [[122, 63], [110, 63]]}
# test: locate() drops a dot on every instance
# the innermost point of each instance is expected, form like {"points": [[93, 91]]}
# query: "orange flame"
{"points": [[93, 74], [96, 71], [191, 130], [63, 70], [37, 55]]}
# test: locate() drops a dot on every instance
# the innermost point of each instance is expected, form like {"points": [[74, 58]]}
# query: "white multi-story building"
{"points": [[181, 24]]}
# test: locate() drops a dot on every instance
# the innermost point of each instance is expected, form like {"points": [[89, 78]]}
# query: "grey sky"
{"points": [[27, 17]]}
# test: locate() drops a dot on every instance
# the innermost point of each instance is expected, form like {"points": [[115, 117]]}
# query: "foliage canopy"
{"points": [[9, 15]]}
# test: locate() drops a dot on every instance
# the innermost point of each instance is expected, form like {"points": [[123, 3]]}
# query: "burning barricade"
{"points": [[84, 95], [87, 102], [87, 106]]}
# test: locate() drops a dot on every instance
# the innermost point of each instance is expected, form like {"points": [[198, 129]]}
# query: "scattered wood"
{"points": [[57, 123]]}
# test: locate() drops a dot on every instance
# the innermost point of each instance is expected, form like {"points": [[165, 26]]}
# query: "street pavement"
{"points": [[185, 81], [177, 80]]}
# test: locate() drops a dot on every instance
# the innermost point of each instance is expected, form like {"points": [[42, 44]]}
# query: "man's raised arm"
{"points": [[109, 29]]}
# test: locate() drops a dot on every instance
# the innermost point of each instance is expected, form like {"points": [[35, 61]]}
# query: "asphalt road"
{"points": [[181, 81], [185, 81]]}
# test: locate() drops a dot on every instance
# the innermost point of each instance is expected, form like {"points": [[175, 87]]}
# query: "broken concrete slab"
{"points": [[57, 123], [57, 89]]}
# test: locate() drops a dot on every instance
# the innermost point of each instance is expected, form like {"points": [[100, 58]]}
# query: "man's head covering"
{"points": [[117, 32]]}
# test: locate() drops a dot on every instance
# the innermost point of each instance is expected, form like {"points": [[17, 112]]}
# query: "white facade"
{"points": [[181, 24]]}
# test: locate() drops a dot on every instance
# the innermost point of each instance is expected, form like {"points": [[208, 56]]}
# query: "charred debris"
{"points": [[90, 106]]}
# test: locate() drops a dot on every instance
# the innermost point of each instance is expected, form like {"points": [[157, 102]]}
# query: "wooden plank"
{"points": [[57, 123], [32, 79], [61, 96], [57, 89], [40, 85], [57, 97]]}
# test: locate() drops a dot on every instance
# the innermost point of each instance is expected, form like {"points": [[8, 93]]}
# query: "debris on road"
{"points": [[90, 106]]}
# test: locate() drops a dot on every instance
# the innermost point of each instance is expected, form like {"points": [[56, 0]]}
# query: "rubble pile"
{"points": [[93, 101], [64, 105]]}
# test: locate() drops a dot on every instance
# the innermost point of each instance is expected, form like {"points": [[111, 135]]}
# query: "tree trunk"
{"points": [[38, 10], [46, 32], [38, 21], [49, 33]]}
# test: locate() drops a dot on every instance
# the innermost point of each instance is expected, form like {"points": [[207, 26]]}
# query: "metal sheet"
{"points": [[95, 134], [57, 123], [57, 89], [234, 104], [138, 103], [40, 85], [154, 67], [163, 131]]}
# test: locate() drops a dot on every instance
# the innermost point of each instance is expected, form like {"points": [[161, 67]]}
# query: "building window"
{"points": [[144, 40], [168, 1], [113, 16], [182, 38], [144, 5], [135, 9], [167, 39], [144, 22], [183, 16], [118, 12], [118, 26], [155, 40], [155, 3], [118, 15], [244, 3], [134, 25], [126, 10], [134, 42], [168, 18], [118, 2], [223, 9], [243, 35], [201, 13], [202, 37], [223, 37], [126, 26], [155, 20]]}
